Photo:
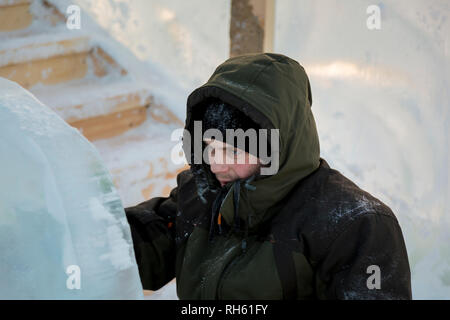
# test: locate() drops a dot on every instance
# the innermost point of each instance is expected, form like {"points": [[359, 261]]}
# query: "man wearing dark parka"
{"points": [[304, 231]]}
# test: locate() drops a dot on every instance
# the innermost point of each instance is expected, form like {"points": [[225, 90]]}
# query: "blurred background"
{"points": [[120, 71]]}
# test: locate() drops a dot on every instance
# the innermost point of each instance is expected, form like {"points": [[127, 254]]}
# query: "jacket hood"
{"points": [[274, 91]]}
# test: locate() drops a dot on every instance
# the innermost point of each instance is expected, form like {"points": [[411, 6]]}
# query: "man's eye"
{"points": [[236, 152]]}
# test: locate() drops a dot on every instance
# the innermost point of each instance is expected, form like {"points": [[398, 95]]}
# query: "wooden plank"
{"points": [[110, 125], [15, 17], [12, 3], [246, 32], [162, 114], [101, 60], [70, 64], [38, 47], [47, 71], [269, 26], [252, 26]]}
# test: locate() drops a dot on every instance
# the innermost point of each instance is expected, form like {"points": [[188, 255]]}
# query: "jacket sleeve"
{"points": [[368, 260], [152, 225]]}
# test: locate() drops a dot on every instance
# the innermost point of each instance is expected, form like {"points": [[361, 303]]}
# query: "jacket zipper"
{"points": [[227, 270]]}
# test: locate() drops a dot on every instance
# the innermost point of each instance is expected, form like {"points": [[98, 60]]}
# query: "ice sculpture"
{"points": [[63, 231]]}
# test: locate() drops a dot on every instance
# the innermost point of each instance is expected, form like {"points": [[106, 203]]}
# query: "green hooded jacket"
{"points": [[306, 232]]}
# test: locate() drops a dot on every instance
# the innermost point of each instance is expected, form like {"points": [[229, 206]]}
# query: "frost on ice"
{"points": [[58, 208]]}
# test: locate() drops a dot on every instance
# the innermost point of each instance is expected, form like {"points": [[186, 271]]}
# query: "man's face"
{"points": [[229, 163]]}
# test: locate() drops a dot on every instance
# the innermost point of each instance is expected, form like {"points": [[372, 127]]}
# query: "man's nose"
{"points": [[218, 168]]}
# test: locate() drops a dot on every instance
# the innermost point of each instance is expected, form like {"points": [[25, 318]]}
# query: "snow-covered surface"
{"points": [[46, 36], [58, 208], [96, 98], [381, 102], [140, 159], [41, 46], [171, 45], [44, 21]]}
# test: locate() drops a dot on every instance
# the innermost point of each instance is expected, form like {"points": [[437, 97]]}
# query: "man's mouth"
{"points": [[223, 182]]}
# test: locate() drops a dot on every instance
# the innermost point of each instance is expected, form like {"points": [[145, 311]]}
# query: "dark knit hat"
{"points": [[221, 115]]}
